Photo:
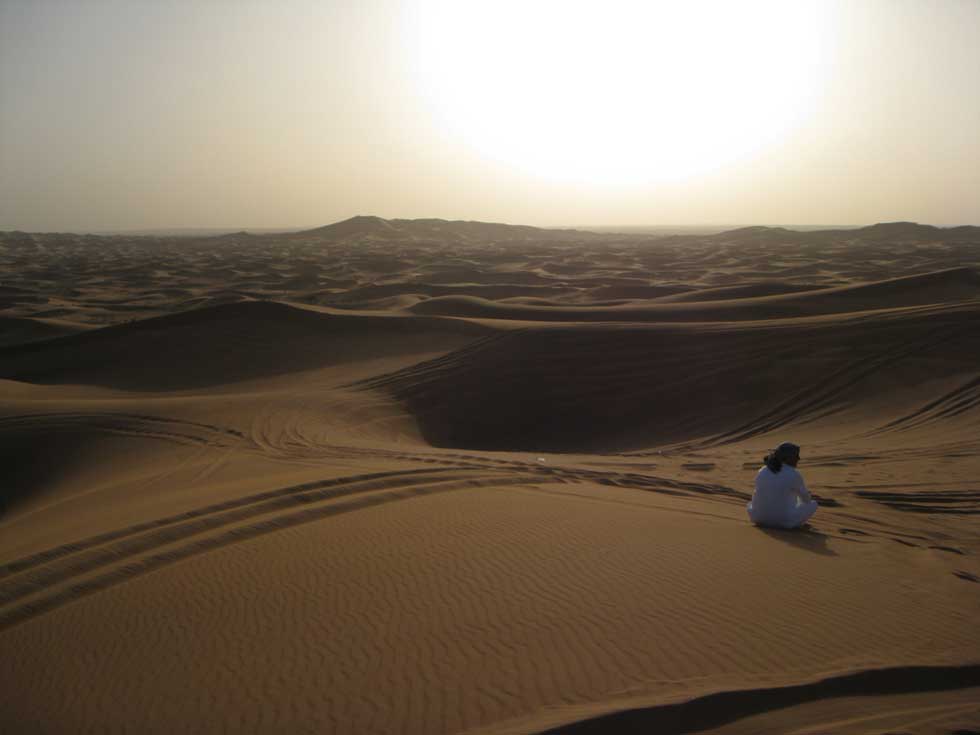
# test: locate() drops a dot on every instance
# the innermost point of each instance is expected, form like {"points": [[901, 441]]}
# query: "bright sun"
{"points": [[619, 92]]}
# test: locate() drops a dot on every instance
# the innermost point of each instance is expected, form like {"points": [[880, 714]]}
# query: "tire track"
{"points": [[458, 460], [952, 502], [80, 556], [817, 398], [958, 401], [19, 565], [146, 552], [635, 480], [126, 424]]}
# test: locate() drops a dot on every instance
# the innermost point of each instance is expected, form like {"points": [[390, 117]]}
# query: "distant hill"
{"points": [[917, 232], [365, 227], [880, 232]]}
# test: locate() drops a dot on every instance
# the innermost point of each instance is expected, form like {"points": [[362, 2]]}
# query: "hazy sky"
{"points": [[142, 114]]}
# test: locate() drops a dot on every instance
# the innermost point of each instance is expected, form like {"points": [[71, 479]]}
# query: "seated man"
{"points": [[781, 499]]}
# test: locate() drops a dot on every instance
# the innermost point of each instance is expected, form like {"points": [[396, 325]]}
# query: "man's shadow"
{"points": [[804, 538]]}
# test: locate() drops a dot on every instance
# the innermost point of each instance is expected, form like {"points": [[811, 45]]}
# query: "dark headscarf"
{"points": [[774, 460]]}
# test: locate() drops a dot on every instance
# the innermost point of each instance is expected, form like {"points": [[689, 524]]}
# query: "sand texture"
{"points": [[393, 476]]}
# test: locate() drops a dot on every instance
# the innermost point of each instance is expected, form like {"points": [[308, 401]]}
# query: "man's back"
{"points": [[777, 495]]}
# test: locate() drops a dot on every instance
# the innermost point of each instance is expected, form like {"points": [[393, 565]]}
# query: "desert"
{"points": [[439, 476], [490, 367]]}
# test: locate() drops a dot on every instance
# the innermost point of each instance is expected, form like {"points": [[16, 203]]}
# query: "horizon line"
{"points": [[608, 228]]}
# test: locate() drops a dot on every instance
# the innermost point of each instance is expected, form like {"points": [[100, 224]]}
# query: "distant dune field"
{"points": [[425, 476]]}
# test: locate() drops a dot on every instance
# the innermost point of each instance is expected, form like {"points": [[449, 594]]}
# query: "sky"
{"points": [[292, 113]]}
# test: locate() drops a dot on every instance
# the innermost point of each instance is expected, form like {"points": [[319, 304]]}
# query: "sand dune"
{"points": [[14, 330], [223, 344], [453, 477], [707, 379], [370, 296], [726, 293], [940, 287]]}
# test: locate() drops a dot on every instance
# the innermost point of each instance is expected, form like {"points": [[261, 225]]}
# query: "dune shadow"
{"points": [[803, 538], [34, 458], [722, 708]]}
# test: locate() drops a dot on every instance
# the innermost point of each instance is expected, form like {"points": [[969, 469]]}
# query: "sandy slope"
{"points": [[443, 487]]}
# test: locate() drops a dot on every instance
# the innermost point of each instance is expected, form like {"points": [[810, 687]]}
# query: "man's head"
{"points": [[788, 453]]}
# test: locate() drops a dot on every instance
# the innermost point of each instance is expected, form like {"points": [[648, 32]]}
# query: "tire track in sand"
{"points": [[817, 400], [126, 424], [565, 473], [958, 401], [61, 575], [27, 562]]}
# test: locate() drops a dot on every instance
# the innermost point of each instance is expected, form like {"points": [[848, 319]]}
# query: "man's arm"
{"points": [[803, 492]]}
